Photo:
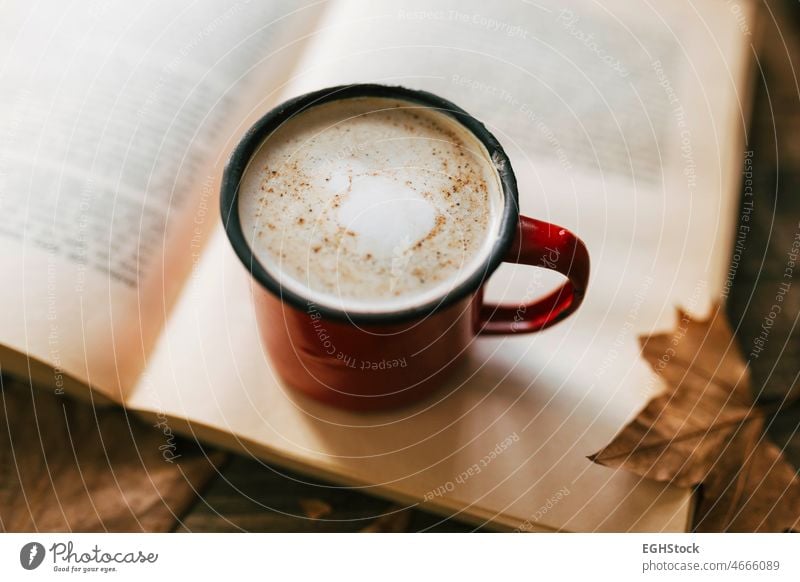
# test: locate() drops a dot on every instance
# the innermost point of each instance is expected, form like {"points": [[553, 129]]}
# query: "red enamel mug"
{"points": [[371, 361]]}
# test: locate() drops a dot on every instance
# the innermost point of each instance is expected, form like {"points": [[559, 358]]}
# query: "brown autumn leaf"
{"points": [[705, 429], [395, 520], [314, 508]]}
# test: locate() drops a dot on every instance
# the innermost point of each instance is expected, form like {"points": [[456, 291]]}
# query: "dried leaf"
{"points": [[396, 520], [314, 508], [752, 472], [706, 429]]}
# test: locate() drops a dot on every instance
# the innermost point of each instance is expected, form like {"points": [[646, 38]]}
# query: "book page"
{"points": [[623, 124], [114, 122]]}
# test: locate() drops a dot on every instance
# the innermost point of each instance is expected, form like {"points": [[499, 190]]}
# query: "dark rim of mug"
{"points": [[258, 133]]}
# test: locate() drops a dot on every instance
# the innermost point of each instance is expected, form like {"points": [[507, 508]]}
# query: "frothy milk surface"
{"points": [[371, 204]]}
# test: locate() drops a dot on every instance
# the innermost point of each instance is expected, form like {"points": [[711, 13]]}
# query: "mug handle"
{"points": [[549, 246]]}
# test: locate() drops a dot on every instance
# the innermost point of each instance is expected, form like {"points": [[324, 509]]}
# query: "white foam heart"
{"points": [[387, 216]]}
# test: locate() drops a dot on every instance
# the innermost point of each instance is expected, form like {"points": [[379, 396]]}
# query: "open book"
{"points": [[624, 124]]}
